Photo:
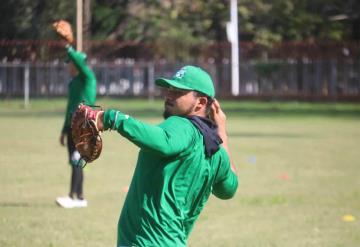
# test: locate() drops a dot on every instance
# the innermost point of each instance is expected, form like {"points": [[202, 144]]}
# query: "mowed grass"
{"points": [[298, 166]]}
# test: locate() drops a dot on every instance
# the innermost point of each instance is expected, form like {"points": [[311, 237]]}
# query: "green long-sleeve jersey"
{"points": [[172, 181], [82, 88]]}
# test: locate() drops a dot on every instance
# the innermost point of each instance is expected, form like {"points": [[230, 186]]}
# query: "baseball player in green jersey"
{"points": [[82, 88], [181, 162]]}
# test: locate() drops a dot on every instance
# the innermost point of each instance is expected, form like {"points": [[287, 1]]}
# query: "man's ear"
{"points": [[201, 103]]}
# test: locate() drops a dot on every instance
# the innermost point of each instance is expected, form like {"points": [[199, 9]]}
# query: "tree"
{"points": [[177, 29], [27, 19], [267, 22]]}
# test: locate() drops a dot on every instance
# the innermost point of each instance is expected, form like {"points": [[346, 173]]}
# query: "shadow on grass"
{"points": [[264, 200], [151, 113], [240, 111], [264, 135], [277, 112], [25, 205]]}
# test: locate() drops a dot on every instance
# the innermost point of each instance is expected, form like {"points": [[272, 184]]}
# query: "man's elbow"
{"points": [[224, 194]]}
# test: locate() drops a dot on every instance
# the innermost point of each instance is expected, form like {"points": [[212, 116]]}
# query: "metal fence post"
{"points": [[333, 77], [151, 79], [26, 85]]}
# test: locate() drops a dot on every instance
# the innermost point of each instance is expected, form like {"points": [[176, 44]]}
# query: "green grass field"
{"points": [[298, 167]]}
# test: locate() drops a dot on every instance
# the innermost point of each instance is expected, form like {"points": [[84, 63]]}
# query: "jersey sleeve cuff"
{"points": [[113, 119], [69, 48]]}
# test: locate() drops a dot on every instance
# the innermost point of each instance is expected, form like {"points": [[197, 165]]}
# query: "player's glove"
{"points": [[86, 129], [63, 28]]}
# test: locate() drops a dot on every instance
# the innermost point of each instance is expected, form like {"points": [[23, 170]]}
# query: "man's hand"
{"points": [[219, 117], [62, 139]]}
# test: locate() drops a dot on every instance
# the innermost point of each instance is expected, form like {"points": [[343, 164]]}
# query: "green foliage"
{"points": [[27, 19], [279, 20], [174, 28], [106, 16]]}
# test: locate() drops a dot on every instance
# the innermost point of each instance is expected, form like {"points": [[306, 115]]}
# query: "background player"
{"points": [[82, 88]]}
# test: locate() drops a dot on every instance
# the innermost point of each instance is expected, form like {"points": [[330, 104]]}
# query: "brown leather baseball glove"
{"points": [[63, 28], [86, 131]]}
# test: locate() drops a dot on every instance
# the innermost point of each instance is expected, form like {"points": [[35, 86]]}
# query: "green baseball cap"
{"points": [[190, 78]]}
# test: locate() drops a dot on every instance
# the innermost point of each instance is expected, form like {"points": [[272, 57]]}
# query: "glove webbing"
{"points": [[81, 158], [88, 122]]}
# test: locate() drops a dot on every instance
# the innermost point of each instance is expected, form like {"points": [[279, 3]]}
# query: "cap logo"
{"points": [[180, 74]]}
